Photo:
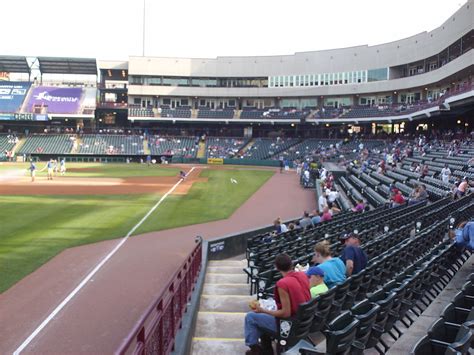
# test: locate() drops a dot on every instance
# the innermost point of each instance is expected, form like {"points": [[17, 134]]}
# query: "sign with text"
{"points": [[22, 117], [47, 99], [12, 95], [4, 76], [215, 161]]}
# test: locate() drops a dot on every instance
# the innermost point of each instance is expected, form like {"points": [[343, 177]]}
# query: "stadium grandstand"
{"points": [[379, 139]]}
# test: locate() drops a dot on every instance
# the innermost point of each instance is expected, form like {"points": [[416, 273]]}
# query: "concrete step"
{"points": [[225, 303], [204, 346], [234, 263], [220, 325], [225, 270], [214, 278], [242, 289]]}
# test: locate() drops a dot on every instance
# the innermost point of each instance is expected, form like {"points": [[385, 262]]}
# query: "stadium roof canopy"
{"points": [[52, 65], [14, 64]]}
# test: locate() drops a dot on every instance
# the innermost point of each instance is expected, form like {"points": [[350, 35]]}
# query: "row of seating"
{"points": [[111, 144], [298, 244], [47, 144], [224, 147], [397, 285], [453, 332], [175, 146], [6, 143]]}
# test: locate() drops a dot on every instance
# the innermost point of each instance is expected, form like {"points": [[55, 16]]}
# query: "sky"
{"points": [[112, 29]]}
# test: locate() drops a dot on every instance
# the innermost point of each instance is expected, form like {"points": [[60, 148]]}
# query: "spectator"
{"points": [[464, 235], [334, 269], [445, 173], [360, 207], [315, 217], [322, 202], [397, 198], [424, 171], [418, 195], [353, 256], [290, 291], [306, 222], [316, 281], [280, 227], [327, 216], [332, 195], [462, 187]]}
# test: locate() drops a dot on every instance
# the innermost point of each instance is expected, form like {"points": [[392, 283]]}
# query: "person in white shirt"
{"points": [[323, 174], [445, 173], [322, 202], [332, 195]]}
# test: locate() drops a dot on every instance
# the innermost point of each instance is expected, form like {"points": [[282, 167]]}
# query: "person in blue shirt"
{"points": [[353, 256], [464, 235], [334, 269], [32, 170]]}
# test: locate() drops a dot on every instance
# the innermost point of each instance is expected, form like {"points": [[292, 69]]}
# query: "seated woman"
{"points": [[290, 291], [334, 269]]}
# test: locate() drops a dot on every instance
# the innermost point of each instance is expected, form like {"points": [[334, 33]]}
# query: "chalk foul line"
{"points": [[94, 271]]}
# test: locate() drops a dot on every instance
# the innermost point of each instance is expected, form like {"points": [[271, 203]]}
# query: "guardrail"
{"points": [[156, 330]]}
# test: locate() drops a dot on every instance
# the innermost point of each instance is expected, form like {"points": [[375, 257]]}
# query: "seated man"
{"points": [[290, 291], [397, 198], [353, 256], [306, 222], [316, 281], [464, 235]]}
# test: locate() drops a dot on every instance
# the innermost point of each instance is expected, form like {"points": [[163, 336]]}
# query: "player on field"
{"points": [[32, 170], [62, 169]]}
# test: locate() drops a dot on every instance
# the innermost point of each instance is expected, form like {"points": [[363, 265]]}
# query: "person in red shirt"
{"points": [[397, 198], [290, 291], [327, 216]]}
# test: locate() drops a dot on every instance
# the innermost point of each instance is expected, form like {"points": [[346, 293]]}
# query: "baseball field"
{"points": [[95, 202]]}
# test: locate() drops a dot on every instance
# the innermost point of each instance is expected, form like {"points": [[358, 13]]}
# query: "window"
{"points": [[377, 74]]}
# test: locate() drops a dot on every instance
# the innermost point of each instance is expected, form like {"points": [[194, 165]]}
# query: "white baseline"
{"points": [[93, 272]]}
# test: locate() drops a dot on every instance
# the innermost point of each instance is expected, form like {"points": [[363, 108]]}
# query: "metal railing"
{"points": [[156, 330]]}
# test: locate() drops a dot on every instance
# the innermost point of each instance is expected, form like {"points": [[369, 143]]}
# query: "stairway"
{"points": [[202, 150], [245, 148], [224, 303], [77, 144], [18, 146]]}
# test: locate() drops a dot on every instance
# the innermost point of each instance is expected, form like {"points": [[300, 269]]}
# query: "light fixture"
{"points": [[459, 121]]}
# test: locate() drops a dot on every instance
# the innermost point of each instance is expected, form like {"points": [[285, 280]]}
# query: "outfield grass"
{"points": [[36, 228], [207, 201], [33, 229], [98, 170]]}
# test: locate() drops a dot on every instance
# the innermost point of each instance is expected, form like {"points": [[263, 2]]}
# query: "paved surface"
{"points": [[104, 311]]}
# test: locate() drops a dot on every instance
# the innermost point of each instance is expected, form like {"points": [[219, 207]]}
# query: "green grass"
{"points": [[36, 228], [33, 229], [207, 201], [97, 170]]}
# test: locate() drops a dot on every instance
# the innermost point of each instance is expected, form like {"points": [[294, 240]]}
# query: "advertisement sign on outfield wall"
{"points": [[22, 117], [4, 76], [215, 161], [12, 95], [47, 99]]}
